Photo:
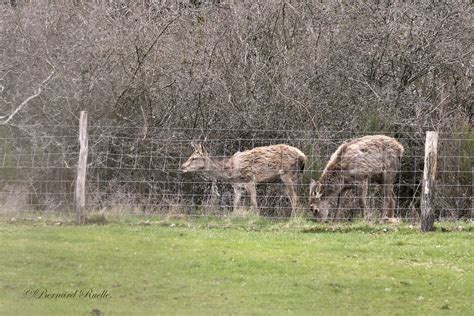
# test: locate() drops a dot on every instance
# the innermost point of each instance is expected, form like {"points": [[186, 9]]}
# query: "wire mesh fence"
{"points": [[136, 170]]}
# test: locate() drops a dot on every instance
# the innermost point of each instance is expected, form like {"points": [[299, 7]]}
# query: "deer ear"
{"points": [[203, 149], [198, 147], [311, 186]]}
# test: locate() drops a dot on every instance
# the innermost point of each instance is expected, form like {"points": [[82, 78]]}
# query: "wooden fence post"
{"points": [[80, 195], [428, 185]]}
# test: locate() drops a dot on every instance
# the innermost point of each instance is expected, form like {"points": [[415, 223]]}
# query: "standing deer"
{"points": [[353, 164], [245, 169]]}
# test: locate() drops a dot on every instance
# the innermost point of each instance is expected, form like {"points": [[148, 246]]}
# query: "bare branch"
{"points": [[368, 85], [25, 102]]}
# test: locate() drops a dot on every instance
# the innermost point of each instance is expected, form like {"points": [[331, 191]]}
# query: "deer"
{"points": [[244, 170], [374, 158]]}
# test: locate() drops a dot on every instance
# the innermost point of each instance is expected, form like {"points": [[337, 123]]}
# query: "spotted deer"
{"points": [[356, 162], [244, 170]]}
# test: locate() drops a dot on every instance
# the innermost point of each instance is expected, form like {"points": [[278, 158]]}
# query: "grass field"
{"points": [[184, 267]]}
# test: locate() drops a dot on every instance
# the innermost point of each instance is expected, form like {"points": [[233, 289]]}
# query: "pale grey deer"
{"points": [[355, 163], [245, 169]]}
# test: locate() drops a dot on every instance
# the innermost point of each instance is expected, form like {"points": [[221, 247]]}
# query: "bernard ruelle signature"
{"points": [[45, 293]]}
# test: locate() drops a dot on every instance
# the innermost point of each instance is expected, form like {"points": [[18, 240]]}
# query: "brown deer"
{"points": [[355, 163], [245, 169]]}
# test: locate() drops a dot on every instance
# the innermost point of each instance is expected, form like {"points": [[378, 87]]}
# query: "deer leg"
{"points": [[291, 192], [338, 205], [388, 196], [363, 188], [389, 202], [252, 191], [237, 197], [337, 215]]}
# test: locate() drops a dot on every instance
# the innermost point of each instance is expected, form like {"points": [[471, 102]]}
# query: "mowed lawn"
{"points": [[156, 269]]}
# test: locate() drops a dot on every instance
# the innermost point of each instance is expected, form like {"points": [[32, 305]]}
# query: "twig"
{"points": [[35, 95], [368, 85]]}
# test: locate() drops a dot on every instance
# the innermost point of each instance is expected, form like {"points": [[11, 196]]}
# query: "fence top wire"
{"points": [[222, 139], [122, 127]]}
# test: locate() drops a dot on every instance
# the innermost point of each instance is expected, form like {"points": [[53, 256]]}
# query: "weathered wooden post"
{"points": [[428, 185], [80, 194]]}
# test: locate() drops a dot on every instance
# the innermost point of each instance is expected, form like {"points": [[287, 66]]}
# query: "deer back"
{"points": [[267, 163]]}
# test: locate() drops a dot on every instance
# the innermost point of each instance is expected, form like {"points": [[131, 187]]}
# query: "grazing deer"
{"points": [[353, 164], [245, 169]]}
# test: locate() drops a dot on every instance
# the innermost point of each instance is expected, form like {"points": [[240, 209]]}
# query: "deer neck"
{"points": [[332, 184], [218, 168]]}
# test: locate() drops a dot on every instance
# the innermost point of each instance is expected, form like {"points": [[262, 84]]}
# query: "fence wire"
{"points": [[137, 171]]}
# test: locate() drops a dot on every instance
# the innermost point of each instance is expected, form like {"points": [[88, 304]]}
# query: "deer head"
{"points": [[198, 159], [318, 206]]}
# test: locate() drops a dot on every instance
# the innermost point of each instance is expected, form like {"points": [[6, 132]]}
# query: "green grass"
{"points": [[231, 267]]}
